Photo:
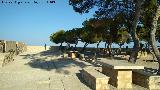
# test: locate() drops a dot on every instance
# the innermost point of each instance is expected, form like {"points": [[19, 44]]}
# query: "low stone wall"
{"points": [[55, 48], [95, 79], [146, 80]]}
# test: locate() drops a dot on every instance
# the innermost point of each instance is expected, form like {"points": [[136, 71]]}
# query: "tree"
{"points": [[153, 36], [122, 32], [58, 37], [123, 37], [87, 36], [134, 54], [97, 29], [71, 37], [109, 9], [150, 20], [154, 10], [134, 12]]}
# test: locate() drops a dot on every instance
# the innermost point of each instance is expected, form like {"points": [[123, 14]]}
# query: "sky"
{"points": [[33, 23]]}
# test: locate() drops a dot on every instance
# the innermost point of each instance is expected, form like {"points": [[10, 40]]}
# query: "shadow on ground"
{"points": [[150, 70], [120, 58], [48, 61], [79, 75], [48, 53]]}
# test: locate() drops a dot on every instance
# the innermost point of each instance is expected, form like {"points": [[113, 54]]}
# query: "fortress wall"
{"points": [[11, 45]]}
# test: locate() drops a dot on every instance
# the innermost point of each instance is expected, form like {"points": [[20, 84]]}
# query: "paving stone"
{"points": [[56, 84], [43, 85]]}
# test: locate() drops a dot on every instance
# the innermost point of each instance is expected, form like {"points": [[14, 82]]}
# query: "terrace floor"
{"points": [[44, 71]]}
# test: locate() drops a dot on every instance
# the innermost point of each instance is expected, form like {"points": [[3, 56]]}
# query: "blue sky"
{"points": [[33, 23]]}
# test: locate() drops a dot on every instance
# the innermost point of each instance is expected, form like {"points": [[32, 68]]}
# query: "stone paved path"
{"points": [[32, 71]]}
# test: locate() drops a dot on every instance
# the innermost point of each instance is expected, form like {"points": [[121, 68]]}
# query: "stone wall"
{"points": [[11, 45], [8, 49], [6, 46], [54, 48], [146, 80], [2, 46], [21, 47]]}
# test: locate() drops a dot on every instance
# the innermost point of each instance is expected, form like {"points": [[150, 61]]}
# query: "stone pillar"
{"points": [[124, 79]]}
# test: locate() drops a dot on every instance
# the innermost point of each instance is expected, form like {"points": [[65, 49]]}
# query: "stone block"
{"points": [[81, 57], [146, 80], [101, 84], [95, 79], [116, 64], [65, 55], [121, 79], [154, 82]]}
